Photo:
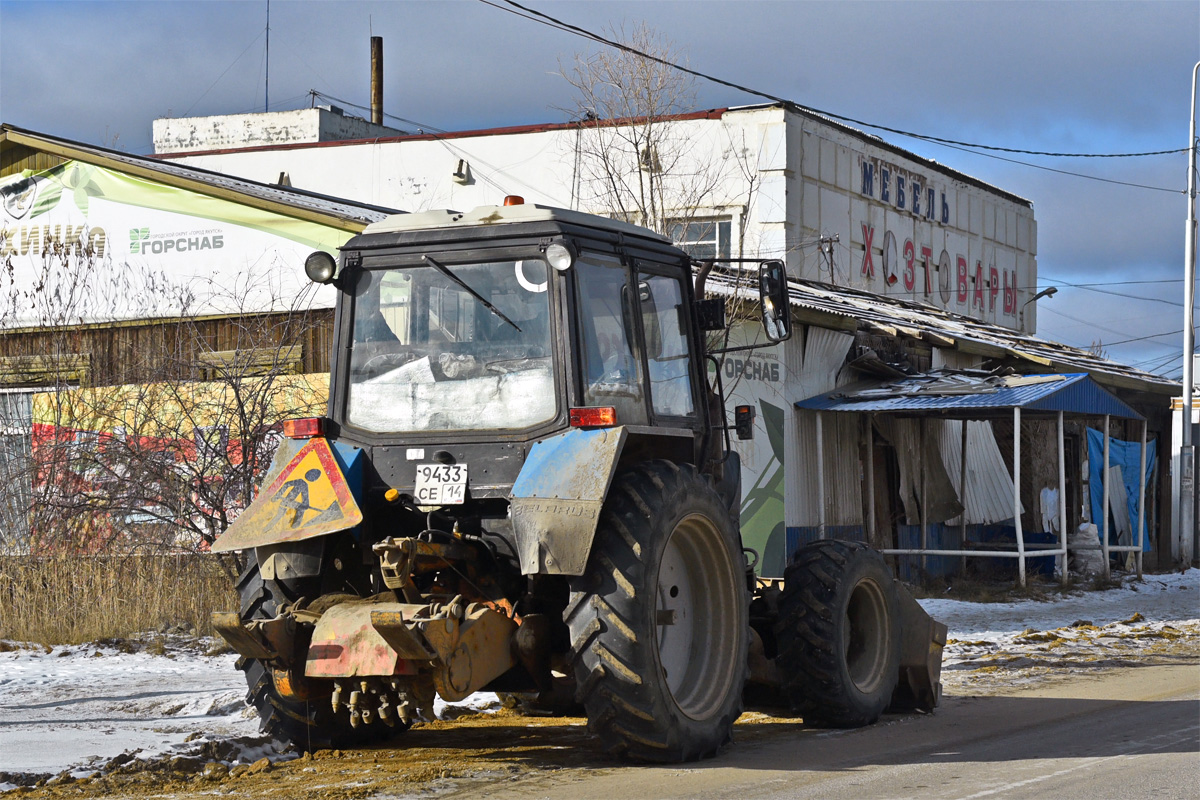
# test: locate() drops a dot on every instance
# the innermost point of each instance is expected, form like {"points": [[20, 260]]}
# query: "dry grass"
{"points": [[74, 599]]}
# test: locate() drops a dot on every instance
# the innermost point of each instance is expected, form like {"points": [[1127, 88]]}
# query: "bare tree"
{"points": [[638, 159], [158, 442], [633, 157]]}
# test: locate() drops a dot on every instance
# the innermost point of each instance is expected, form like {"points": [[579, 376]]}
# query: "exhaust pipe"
{"points": [[377, 80]]}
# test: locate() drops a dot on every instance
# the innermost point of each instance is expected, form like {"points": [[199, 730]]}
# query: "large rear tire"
{"points": [[838, 634], [306, 724], [658, 622]]}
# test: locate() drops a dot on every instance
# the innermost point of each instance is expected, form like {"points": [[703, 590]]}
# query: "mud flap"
{"points": [[921, 641], [557, 498]]}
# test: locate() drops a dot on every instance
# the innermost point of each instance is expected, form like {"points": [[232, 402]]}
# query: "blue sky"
{"points": [[1096, 77]]}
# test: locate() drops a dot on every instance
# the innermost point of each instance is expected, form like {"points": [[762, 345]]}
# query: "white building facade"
{"points": [[758, 181]]}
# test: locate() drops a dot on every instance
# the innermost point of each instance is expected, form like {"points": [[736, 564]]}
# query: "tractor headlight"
{"points": [[320, 267], [560, 256]]}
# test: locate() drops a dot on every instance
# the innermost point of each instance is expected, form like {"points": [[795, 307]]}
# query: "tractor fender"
{"points": [[555, 502], [312, 488]]}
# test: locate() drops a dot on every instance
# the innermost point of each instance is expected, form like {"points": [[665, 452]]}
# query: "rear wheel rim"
{"points": [[697, 617], [866, 636]]}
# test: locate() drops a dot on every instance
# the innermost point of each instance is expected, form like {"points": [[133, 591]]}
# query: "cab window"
{"points": [[610, 369], [667, 357]]}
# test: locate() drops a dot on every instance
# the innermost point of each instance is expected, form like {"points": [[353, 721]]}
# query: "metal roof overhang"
{"points": [[1073, 394], [849, 309], [338, 213]]}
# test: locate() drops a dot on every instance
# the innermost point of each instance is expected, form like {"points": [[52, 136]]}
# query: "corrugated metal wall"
{"points": [[16, 472], [814, 360], [989, 484]]}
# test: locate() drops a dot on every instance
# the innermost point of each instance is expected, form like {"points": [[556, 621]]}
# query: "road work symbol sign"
{"points": [[308, 497]]}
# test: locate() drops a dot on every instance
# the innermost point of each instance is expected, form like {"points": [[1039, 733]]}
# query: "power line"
{"points": [[456, 152], [1144, 338], [1090, 288], [1096, 325], [1101, 283], [554, 22], [222, 75], [1052, 169]]}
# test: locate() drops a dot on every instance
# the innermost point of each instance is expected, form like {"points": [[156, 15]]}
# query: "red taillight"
{"points": [[305, 428], [600, 417], [514, 200]]}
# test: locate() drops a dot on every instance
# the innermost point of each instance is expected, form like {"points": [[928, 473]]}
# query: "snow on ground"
{"points": [[79, 708], [998, 645]]}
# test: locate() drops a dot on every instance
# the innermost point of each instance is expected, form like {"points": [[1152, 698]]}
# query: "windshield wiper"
{"points": [[442, 268]]}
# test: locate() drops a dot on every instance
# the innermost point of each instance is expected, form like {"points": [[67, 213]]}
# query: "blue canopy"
{"points": [[966, 395]]}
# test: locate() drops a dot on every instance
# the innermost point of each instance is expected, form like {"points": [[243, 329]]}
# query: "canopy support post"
{"points": [[962, 490], [924, 513], [1141, 515], [1017, 494], [1104, 506], [870, 478], [1062, 499]]}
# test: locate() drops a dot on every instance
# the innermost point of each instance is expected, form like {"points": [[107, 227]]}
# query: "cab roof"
{"points": [[505, 215]]}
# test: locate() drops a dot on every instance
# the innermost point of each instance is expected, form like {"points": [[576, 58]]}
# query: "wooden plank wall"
{"points": [[145, 351]]}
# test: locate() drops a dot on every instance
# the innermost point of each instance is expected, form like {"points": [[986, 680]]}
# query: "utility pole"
{"points": [[1187, 458], [267, 82]]}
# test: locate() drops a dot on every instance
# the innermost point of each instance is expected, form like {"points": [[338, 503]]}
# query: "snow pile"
{"points": [[993, 645]]}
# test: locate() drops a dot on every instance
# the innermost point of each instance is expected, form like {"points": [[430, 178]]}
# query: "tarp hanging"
{"points": [[1126, 455]]}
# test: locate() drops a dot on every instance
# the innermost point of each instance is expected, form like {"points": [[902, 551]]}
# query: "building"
{"points": [[900, 264], [127, 272]]}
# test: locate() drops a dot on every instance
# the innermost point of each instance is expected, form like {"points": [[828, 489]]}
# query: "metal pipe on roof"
{"points": [[1017, 494], [377, 80]]}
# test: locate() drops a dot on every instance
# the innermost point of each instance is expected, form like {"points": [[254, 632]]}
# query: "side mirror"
{"points": [[773, 298]]}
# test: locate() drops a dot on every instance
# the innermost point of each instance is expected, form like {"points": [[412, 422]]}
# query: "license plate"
{"points": [[441, 484]]}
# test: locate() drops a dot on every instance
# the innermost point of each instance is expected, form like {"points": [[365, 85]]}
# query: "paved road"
{"points": [[1126, 734]]}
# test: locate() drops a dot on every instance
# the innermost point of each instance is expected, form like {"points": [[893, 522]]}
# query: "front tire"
{"points": [[659, 620], [838, 634]]}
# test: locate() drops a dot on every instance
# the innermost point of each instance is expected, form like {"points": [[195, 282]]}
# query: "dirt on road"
{"points": [[507, 754]]}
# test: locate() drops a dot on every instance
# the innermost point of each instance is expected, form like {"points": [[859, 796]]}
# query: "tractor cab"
{"points": [[510, 324]]}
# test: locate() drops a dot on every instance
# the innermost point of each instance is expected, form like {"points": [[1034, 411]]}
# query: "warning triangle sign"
{"points": [[308, 497]]}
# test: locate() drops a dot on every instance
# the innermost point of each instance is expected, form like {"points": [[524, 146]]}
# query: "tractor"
{"points": [[525, 483]]}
